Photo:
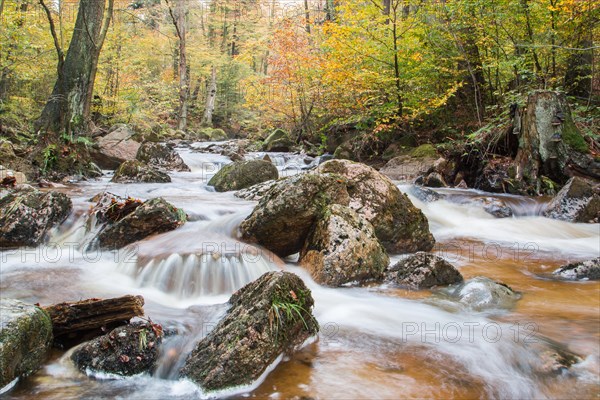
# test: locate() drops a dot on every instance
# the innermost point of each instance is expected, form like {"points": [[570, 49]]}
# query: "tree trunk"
{"points": [[183, 70], [550, 144], [83, 320], [211, 96], [68, 108]]}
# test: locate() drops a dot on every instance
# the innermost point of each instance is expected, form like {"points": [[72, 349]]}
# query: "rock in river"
{"points": [[576, 202], [423, 270], [27, 215], [343, 248], [127, 350], [138, 172], [161, 156], [242, 174], [152, 217], [25, 339], [582, 270], [269, 317]]}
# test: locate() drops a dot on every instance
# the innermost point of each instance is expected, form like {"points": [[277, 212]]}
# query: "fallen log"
{"points": [[73, 323]]}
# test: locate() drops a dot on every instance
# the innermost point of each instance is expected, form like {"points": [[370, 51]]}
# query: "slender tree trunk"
{"points": [[1, 7], [211, 96], [68, 108], [306, 16], [183, 70]]}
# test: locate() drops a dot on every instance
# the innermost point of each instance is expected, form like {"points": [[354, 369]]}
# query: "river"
{"points": [[375, 342]]}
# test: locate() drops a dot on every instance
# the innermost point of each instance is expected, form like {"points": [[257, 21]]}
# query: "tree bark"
{"points": [[549, 144], [211, 97], [68, 108], [179, 21], [82, 320]]}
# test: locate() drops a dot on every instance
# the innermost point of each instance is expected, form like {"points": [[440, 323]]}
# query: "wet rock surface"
{"points": [[25, 339], [482, 293], [27, 214], [582, 270], [138, 172], [421, 271], [343, 248], [161, 156], [127, 350], [242, 174], [255, 192], [399, 225], [152, 217], [267, 318], [286, 214], [576, 202]]}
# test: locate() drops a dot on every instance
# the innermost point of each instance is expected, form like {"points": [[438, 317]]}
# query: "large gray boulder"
{"points": [[421, 271], [25, 339], [267, 318], [399, 225], [161, 156], [152, 217], [135, 171], [255, 192], [127, 350], [342, 248], [116, 147], [582, 270], [286, 214], [27, 215], [576, 202], [242, 174]]}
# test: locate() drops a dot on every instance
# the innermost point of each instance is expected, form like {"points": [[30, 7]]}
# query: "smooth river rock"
{"points": [[582, 270], [242, 174], [421, 271], [576, 202], [25, 339]]}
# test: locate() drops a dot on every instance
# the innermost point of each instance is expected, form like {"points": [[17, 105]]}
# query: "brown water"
{"points": [[367, 347]]}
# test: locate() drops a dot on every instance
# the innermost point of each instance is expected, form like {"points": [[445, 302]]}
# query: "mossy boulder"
{"points": [[576, 202], [286, 214], [342, 248], [267, 318], [399, 225], [135, 171], [278, 141], [25, 339], [212, 134], [242, 174], [127, 350], [161, 156], [421, 271], [27, 215], [152, 217]]}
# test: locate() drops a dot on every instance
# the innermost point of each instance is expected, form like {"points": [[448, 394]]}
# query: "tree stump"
{"points": [[550, 144]]}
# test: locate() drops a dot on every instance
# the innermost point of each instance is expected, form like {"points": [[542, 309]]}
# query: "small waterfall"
{"points": [[195, 275], [199, 259]]}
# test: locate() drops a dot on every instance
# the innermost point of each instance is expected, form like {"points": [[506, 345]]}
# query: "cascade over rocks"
{"points": [[576, 202], [268, 317], [242, 174], [342, 248], [27, 215], [25, 339], [127, 350], [421, 271], [135, 171], [152, 217], [161, 156]]}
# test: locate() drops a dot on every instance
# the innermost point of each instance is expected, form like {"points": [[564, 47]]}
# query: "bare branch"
{"points": [[59, 51]]}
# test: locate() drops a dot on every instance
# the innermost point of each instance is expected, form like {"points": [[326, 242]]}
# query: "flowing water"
{"points": [[375, 342]]}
